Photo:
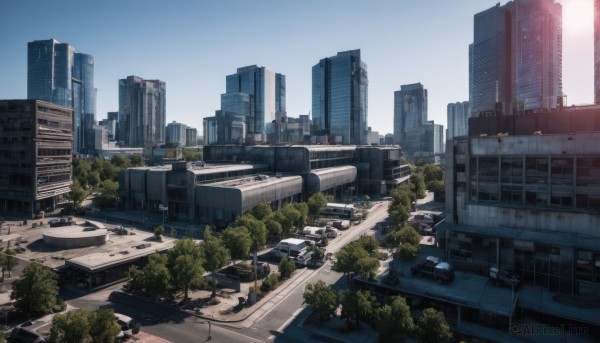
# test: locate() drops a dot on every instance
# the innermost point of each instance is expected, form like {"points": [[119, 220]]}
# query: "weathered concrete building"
{"points": [[36, 139]]}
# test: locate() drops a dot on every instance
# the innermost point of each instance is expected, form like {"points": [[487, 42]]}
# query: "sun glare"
{"points": [[578, 16]]}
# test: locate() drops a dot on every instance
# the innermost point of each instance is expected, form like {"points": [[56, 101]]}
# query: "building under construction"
{"points": [[35, 156]]}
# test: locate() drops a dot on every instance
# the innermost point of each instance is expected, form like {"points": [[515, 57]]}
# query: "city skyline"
{"points": [[192, 36]]}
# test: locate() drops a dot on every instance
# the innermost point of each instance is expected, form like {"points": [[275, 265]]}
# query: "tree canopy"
{"points": [[35, 291], [393, 319], [238, 241], [322, 297], [215, 255], [433, 328]]}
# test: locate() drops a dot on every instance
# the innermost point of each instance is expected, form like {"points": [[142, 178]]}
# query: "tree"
{"points": [[257, 230], [367, 267], [416, 179], [393, 319], [347, 258], [136, 160], [292, 215], [106, 169], [103, 326], [156, 276], [439, 190], [433, 172], [404, 243], [35, 291], [71, 327], [369, 243], [120, 161], [185, 261], [215, 255], [93, 179], [9, 261], [316, 202], [286, 267], [357, 304], [191, 155], [77, 194], [109, 194], [284, 222], [302, 208], [158, 232], [136, 278], [238, 241], [322, 297], [432, 327], [261, 211], [274, 228]]}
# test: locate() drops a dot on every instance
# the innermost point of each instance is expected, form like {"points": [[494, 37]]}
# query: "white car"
{"points": [[129, 327]]}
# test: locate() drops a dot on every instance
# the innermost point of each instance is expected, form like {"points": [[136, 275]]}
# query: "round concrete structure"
{"points": [[75, 237]]}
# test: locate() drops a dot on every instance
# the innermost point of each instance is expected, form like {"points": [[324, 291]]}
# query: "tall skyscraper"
{"points": [[176, 133], [142, 112], [55, 73], [457, 116], [410, 109], [254, 95], [516, 58], [597, 51], [340, 97]]}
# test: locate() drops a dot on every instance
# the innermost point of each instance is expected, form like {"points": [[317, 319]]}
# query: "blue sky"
{"points": [[193, 45]]}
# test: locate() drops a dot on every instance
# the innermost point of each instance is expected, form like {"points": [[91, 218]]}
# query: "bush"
{"points": [[286, 267], [269, 283]]}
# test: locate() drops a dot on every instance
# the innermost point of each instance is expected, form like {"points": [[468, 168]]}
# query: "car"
{"points": [[501, 277], [129, 326], [435, 269]]}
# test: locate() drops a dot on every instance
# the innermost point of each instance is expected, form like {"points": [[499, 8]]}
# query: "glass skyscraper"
{"points": [[410, 109], [142, 112], [340, 97], [457, 116], [516, 58], [55, 73], [254, 96]]}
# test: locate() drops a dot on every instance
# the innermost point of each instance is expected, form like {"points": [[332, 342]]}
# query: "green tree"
{"points": [[35, 291], [322, 298], [357, 304], [369, 243], [433, 328], [156, 276], [367, 267], [120, 162], [106, 170], [93, 179], [433, 172], [238, 241], [292, 215], [286, 224], [70, 327], [286, 267], [316, 202], [274, 228], [136, 278], [185, 261], [158, 232], [77, 194], [399, 207], [416, 179], [439, 190], [302, 208], [257, 230], [191, 155], [103, 326], [81, 169], [136, 160], [404, 243], [216, 255], [9, 261], [393, 320], [261, 211], [109, 194], [348, 257]]}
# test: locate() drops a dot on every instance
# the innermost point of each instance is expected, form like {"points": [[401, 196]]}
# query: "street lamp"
{"points": [[162, 209], [209, 328]]}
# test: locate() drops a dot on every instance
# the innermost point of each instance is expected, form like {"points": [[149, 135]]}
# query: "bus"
{"points": [[344, 211]]}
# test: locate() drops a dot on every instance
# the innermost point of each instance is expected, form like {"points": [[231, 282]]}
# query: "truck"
{"points": [[290, 247], [501, 277], [435, 269]]}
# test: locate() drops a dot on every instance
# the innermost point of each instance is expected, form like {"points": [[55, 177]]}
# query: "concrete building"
{"points": [[176, 134], [457, 117], [35, 156], [235, 178], [597, 52], [191, 136], [528, 200]]}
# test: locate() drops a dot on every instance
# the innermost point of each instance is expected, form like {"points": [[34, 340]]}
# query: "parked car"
{"points": [[435, 269], [129, 326], [501, 277]]}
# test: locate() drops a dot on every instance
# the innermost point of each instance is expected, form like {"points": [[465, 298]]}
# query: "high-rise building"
{"points": [[516, 58], [458, 114], [191, 136], [176, 133], [410, 109], [55, 73], [597, 52], [142, 112], [35, 156], [340, 96], [254, 95]]}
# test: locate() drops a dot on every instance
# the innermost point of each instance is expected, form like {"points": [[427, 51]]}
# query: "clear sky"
{"points": [[192, 45]]}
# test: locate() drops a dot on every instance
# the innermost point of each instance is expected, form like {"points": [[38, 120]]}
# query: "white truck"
{"points": [[291, 247]]}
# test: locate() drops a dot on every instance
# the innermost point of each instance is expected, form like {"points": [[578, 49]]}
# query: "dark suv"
{"points": [[500, 277], [435, 269]]}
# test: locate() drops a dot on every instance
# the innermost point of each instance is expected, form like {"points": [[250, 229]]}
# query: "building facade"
{"points": [[410, 110], [142, 112], [516, 58], [529, 201], [176, 134], [35, 156], [596, 52], [340, 97], [191, 136], [457, 118], [55, 73]]}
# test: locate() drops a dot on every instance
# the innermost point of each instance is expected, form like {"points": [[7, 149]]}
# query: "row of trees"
{"points": [[83, 326], [391, 317]]}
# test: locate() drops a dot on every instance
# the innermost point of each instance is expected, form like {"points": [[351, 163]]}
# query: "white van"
{"points": [[129, 327]]}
